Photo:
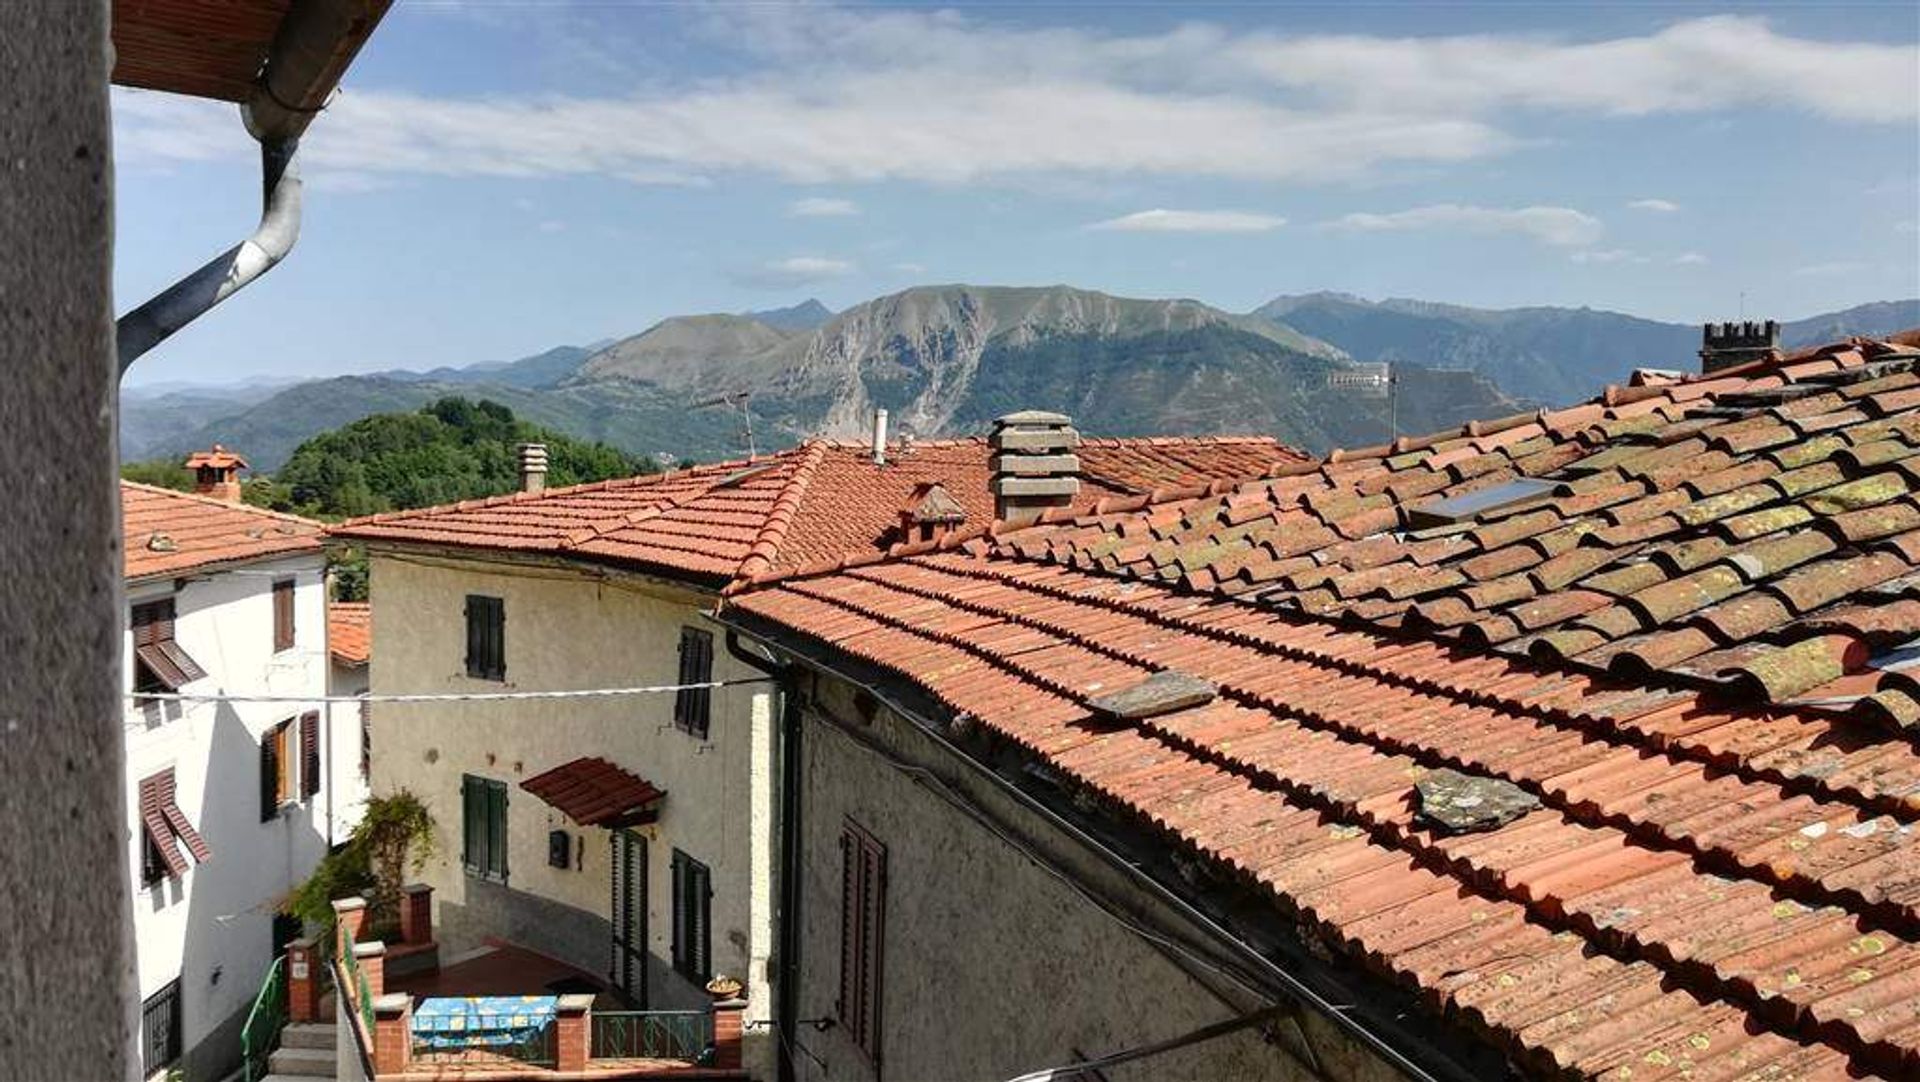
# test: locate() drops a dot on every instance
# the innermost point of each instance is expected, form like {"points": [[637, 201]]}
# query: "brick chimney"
{"points": [[1725, 345], [216, 473], [533, 467], [1034, 467]]}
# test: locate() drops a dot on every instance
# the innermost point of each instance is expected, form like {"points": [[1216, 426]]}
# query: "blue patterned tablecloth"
{"points": [[467, 1021]]}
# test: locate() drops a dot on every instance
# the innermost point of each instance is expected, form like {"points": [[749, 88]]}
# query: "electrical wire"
{"points": [[1204, 1033], [433, 697]]}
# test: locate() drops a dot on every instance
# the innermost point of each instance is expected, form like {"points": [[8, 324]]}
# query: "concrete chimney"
{"points": [[1725, 345], [533, 467], [879, 437], [216, 473], [1034, 467]]}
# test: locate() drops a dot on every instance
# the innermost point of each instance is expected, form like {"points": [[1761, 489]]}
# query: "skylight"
{"points": [[1472, 505]]}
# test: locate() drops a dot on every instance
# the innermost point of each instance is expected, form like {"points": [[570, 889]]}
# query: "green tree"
{"points": [[452, 449], [161, 472]]}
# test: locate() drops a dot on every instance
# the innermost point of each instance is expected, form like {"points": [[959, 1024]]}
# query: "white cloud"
{"points": [[1559, 226], [1690, 259], [553, 225], [794, 271], [1609, 255], [1191, 221], [910, 268], [843, 95], [1906, 226], [1658, 206], [820, 207]]}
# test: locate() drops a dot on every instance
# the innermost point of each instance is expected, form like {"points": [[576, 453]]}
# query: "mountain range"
{"points": [[947, 359]]}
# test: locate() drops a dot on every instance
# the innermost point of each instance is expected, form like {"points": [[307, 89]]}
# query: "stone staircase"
{"points": [[306, 1051]]}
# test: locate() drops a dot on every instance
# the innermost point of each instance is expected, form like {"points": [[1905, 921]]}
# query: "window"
{"points": [[559, 849], [309, 754], [164, 829], [159, 664], [160, 1029], [863, 889], [692, 931], [690, 705], [483, 810], [276, 771], [282, 615], [486, 638]]}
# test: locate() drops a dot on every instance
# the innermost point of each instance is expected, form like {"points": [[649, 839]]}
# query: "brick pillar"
{"points": [[303, 982], [416, 914], [349, 915], [392, 1033], [372, 960], [573, 1033], [726, 1032]]}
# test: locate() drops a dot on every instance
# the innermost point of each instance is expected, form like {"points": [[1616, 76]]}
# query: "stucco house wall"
{"points": [[993, 965], [571, 627], [348, 796], [213, 928]]}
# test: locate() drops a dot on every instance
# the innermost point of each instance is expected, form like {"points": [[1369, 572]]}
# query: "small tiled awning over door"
{"points": [[167, 826], [596, 793]]}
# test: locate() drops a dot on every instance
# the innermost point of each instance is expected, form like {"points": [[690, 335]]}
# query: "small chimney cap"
{"points": [[1038, 418]]}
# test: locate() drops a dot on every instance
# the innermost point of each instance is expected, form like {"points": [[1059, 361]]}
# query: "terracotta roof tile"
{"points": [[1720, 879], [350, 631], [169, 533], [810, 507]]}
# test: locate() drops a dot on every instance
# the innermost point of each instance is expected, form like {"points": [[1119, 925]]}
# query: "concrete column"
{"points": [[727, 1027], [67, 988], [416, 914], [392, 1033], [573, 1033], [303, 982]]}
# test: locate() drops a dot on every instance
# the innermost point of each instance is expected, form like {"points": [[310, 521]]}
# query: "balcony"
{"points": [[510, 1013]]}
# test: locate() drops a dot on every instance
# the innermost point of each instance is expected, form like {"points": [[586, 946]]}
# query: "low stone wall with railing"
{"points": [[539, 1037]]}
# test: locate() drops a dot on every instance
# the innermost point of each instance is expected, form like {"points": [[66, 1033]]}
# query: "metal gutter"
{"points": [[1446, 1069], [315, 43]]}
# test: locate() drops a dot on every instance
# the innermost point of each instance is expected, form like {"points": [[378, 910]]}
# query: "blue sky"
{"points": [[499, 178]]}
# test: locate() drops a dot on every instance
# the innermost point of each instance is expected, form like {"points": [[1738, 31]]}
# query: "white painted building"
{"points": [[230, 803]]}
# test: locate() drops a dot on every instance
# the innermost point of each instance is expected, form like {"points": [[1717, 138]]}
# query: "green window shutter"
{"points": [[497, 828], [473, 809], [699, 927], [679, 911]]}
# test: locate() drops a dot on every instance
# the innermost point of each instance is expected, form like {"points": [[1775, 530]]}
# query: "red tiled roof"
{"points": [[218, 458], [350, 631], [819, 503], [594, 792], [170, 533], [1722, 878]]}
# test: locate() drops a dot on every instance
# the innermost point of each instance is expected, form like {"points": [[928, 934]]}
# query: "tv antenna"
{"points": [[1375, 380], [737, 398]]}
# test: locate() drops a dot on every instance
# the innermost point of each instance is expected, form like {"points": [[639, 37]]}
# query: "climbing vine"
{"points": [[395, 836]]}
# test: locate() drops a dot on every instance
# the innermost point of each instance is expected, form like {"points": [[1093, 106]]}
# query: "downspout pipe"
{"points": [[232, 270], [786, 992]]}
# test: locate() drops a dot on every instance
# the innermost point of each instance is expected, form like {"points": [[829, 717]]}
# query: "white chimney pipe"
{"points": [[533, 467], [879, 437]]}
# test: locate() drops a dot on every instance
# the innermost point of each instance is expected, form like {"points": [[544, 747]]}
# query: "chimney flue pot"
{"points": [[879, 437], [1035, 468], [533, 467]]}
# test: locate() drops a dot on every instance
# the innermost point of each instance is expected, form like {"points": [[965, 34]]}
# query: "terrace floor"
{"points": [[502, 969]]}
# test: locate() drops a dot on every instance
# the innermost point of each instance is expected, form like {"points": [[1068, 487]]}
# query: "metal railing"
{"points": [[683, 1035], [264, 1022], [486, 1039]]}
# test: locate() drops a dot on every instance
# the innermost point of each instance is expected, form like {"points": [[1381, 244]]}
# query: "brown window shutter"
{"points": [[873, 884], [850, 964], [269, 776], [309, 754], [282, 615]]}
